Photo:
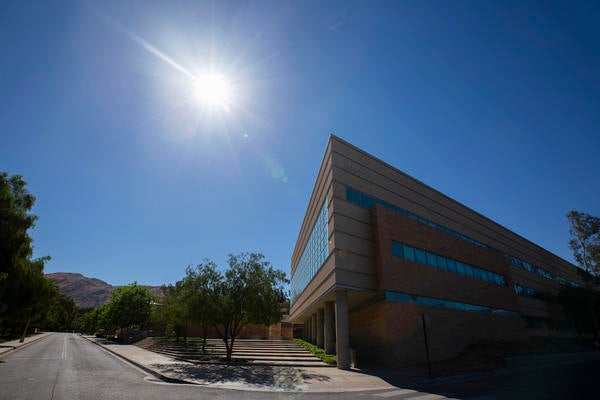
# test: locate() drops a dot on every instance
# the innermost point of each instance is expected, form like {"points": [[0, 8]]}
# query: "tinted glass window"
{"points": [[431, 259], [441, 262], [397, 250], [420, 256], [468, 270], [451, 264], [424, 257], [409, 253]]}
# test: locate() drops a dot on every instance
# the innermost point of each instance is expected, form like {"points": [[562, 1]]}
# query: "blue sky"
{"points": [[495, 104]]}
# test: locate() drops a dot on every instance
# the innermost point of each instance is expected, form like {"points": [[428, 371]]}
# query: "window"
{"points": [[469, 271], [409, 253], [431, 259], [397, 250], [314, 255], [455, 305], [364, 200], [441, 262], [419, 256], [451, 265], [531, 292], [539, 271]]}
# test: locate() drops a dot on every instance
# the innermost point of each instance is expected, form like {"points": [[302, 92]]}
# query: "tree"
{"points": [[249, 293], [88, 320], [192, 300], [60, 313], [585, 240], [202, 283], [23, 288], [572, 299], [176, 308], [585, 243], [129, 306]]}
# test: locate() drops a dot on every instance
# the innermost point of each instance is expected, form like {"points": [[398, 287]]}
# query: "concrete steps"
{"points": [[264, 352]]}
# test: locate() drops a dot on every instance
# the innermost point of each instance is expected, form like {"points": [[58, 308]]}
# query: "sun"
{"points": [[213, 90]]}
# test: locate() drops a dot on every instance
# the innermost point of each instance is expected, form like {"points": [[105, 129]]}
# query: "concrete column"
{"points": [[314, 328], [329, 327], [307, 330], [342, 330], [320, 316]]}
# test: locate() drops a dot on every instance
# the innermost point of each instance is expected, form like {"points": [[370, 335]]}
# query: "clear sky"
{"points": [[496, 104]]}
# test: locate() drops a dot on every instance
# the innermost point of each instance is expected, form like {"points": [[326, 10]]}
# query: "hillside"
{"points": [[87, 292]]}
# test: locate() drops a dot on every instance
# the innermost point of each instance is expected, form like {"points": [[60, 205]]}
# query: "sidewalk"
{"points": [[257, 377], [10, 346], [246, 377]]}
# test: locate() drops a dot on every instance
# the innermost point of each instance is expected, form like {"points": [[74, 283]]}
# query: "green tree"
{"points": [[87, 320], [192, 300], [202, 283], [23, 288], [60, 313], [249, 293], [585, 240], [175, 308], [129, 306]]}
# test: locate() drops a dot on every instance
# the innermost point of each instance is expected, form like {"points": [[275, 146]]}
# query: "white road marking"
{"points": [[63, 355]]}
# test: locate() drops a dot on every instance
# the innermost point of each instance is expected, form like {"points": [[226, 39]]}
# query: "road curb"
{"points": [[154, 373], [42, 336]]}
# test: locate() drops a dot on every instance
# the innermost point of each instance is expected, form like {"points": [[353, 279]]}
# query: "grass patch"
{"points": [[330, 359]]}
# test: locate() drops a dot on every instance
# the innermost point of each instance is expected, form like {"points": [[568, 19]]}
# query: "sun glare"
{"points": [[213, 90]]}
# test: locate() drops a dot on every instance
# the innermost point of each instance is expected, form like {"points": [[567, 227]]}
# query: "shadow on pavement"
{"points": [[255, 375]]}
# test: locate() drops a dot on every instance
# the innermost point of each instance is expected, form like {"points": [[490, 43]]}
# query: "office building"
{"points": [[380, 254]]}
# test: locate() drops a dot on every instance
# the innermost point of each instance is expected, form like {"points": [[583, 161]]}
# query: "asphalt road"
{"points": [[66, 366]]}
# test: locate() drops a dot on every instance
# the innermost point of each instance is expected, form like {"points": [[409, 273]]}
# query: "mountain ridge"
{"points": [[87, 292]]}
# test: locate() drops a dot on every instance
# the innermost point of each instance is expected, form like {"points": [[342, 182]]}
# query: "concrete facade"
{"points": [[377, 249]]}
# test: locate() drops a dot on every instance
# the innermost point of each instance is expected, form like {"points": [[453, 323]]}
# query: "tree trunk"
{"points": [[25, 331], [225, 337], [231, 348], [204, 336]]}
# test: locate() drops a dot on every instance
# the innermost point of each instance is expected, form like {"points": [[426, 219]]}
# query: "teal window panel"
{"points": [[421, 256], [313, 256], [451, 264], [449, 304], [397, 250], [441, 262], [431, 259], [409, 253], [460, 268]]}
